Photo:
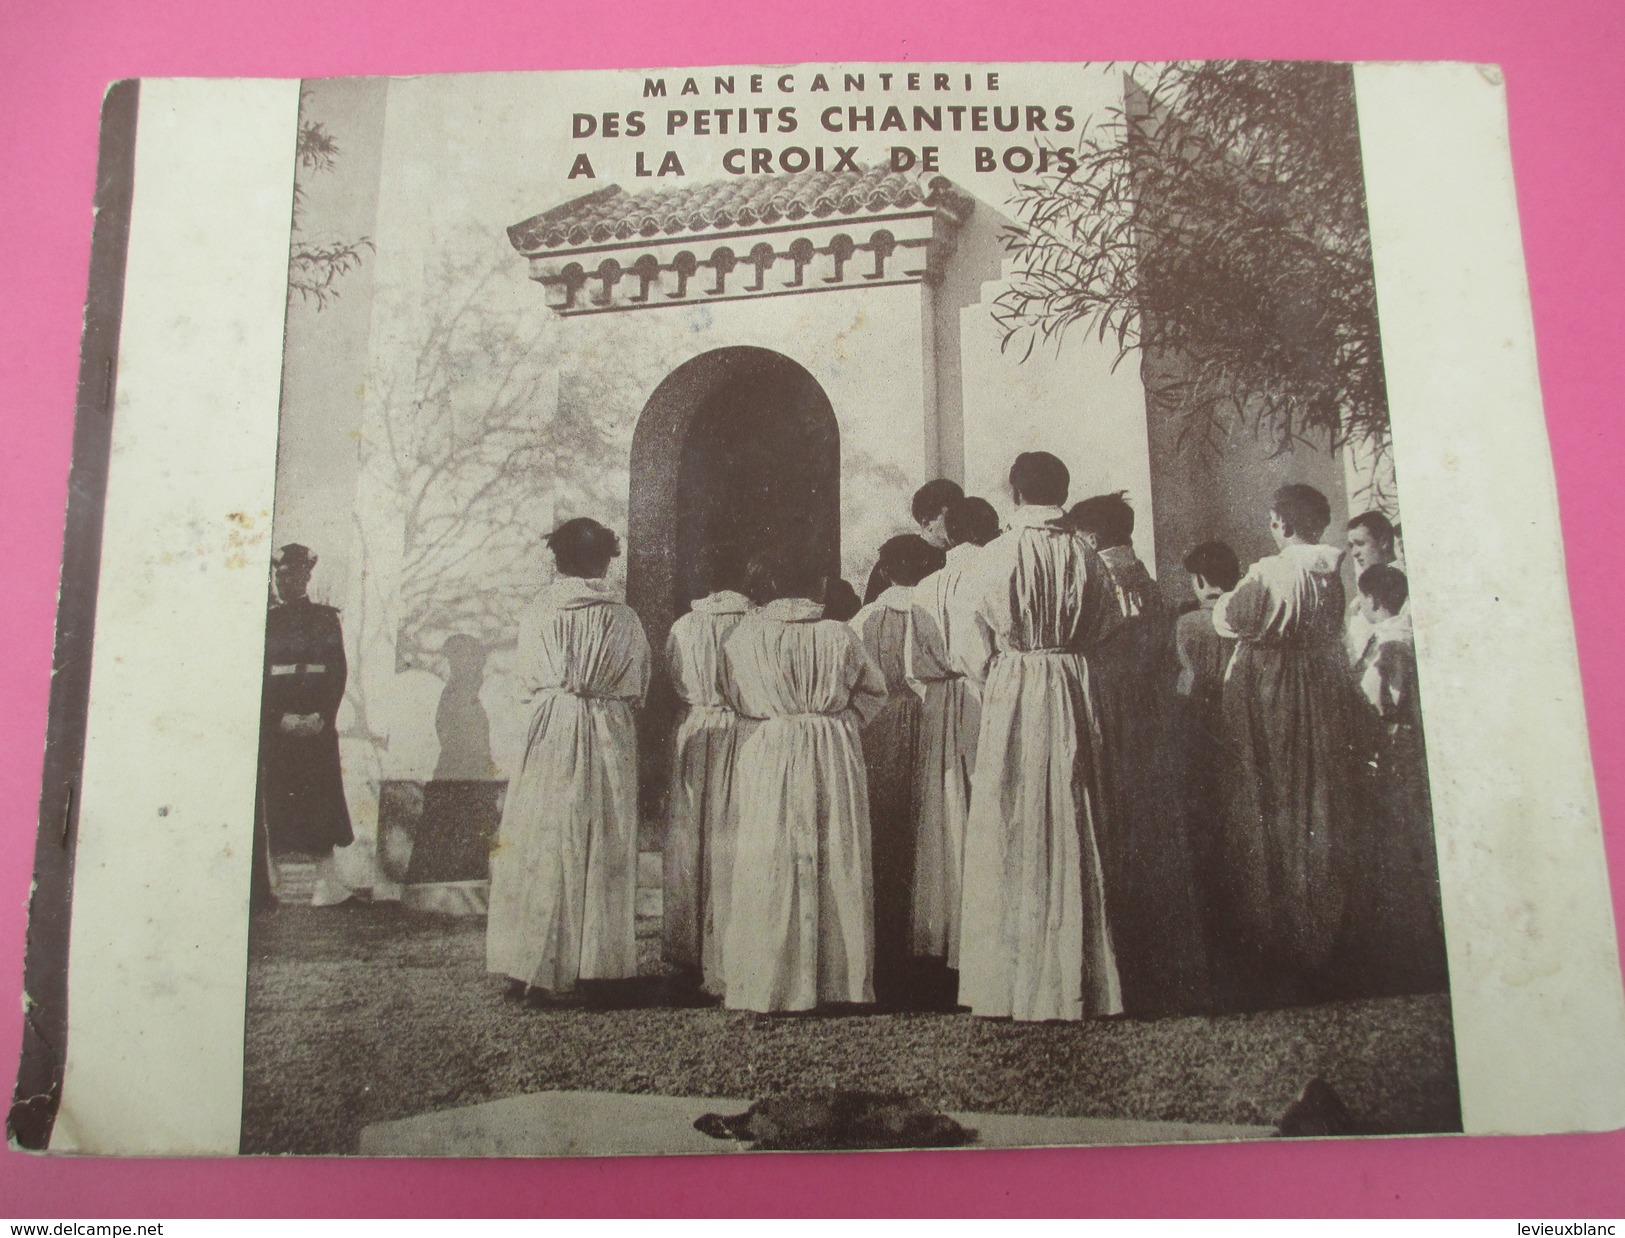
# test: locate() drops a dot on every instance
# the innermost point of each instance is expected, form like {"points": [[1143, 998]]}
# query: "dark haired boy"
{"points": [[564, 873], [1203, 653], [1034, 940], [800, 915], [891, 753], [1203, 657], [950, 719], [697, 853], [1388, 670], [1372, 542], [1289, 730], [1398, 922], [1150, 887], [929, 508]]}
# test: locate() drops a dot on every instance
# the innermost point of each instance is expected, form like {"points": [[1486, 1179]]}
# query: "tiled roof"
{"points": [[611, 214]]}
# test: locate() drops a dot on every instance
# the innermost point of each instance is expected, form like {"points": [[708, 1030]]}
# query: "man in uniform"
{"points": [[301, 791]]}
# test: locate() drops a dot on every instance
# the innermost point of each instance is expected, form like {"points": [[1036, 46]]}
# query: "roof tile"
{"points": [[612, 214]]}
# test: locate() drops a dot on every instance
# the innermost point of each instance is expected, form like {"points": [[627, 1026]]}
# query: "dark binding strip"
{"points": [[45, 971]]}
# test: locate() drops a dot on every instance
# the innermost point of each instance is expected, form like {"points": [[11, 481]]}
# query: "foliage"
{"points": [[1217, 224], [506, 421], [315, 267]]}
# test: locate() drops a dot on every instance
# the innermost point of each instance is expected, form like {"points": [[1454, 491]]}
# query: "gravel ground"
{"points": [[359, 1015]]}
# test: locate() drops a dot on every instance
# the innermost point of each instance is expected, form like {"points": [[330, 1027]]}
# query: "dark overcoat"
{"points": [[301, 787]]}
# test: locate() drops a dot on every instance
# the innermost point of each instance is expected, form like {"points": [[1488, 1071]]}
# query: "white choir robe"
{"points": [[564, 873], [697, 854], [1359, 635], [1290, 729], [1034, 938], [800, 920], [951, 718]]}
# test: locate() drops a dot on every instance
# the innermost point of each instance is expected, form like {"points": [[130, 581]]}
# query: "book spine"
{"points": [[45, 969]]}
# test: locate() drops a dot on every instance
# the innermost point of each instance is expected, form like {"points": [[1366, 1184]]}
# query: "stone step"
{"points": [[294, 881], [614, 1124]]}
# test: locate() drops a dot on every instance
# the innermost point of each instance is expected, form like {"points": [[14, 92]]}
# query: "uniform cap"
{"points": [[294, 555]]}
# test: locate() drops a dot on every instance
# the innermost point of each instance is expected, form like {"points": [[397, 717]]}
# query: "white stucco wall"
{"points": [[459, 344], [461, 339], [1068, 401]]}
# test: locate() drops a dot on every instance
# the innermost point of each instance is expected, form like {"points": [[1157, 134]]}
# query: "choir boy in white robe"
{"points": [[1034, 938], [1399, 927], [951, 720], [564, 873], [929, 507], [891, 753], [1290, 773], [1151, 893], [1372, 542], [800, 921], [698, 849], [1203, 654]]}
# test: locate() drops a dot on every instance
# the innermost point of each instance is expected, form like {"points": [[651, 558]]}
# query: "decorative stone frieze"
{"points": [[801, 233]]}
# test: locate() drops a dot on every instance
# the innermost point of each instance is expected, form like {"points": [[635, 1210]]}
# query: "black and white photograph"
{"points": [[838, 607]]}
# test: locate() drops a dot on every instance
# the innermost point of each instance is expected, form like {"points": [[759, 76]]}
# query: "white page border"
{"points": [[158, 951], [1534, 966]]}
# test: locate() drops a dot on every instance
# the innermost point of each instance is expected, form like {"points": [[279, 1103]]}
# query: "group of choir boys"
{"points": [[1015, 782]]}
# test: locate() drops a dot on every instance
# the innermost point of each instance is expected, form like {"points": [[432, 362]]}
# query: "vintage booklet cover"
{"points": [[828, 606]]}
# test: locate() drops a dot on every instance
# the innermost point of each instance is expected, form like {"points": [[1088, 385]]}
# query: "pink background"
{"points": [[1567, 90]]}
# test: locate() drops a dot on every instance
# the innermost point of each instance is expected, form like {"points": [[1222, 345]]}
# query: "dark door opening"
{"points": [[759, 473], [738, 448]]}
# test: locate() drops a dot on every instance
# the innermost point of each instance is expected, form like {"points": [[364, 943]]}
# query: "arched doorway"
{"points": [[737, 447]]}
